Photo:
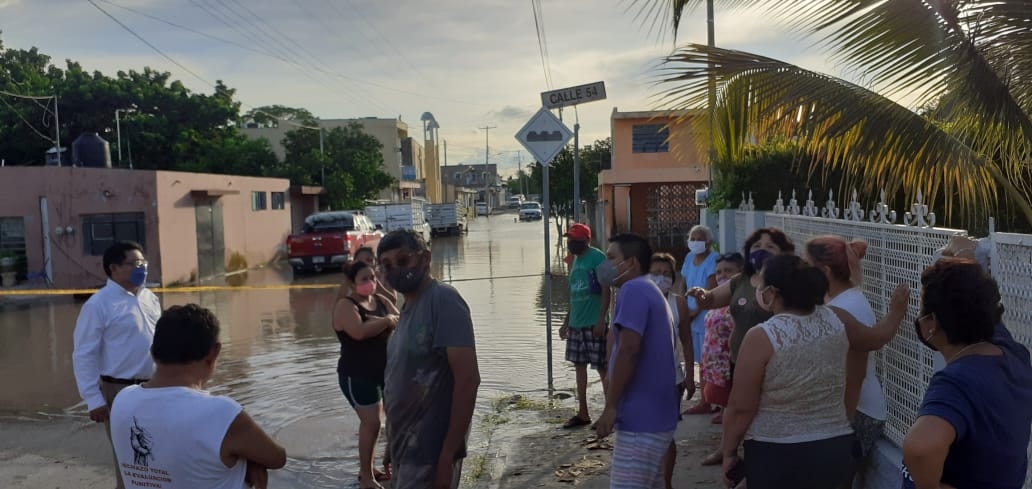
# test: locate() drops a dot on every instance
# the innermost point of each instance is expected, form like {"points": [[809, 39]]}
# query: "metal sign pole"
{"points": [[576, 173], [548, 272]]}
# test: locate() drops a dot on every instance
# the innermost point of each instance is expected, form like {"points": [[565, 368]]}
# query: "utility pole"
{"points": [[118, 133], [57, 130], [576, 172], [519, 171], [487, 154], [322, 158], [445, 152], [712, 91]]}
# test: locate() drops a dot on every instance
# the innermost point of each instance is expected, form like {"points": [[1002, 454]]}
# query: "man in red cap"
{"points": [[584, 328]]}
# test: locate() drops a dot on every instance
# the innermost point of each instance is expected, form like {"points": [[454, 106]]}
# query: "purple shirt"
{"points": [[650, 402]]}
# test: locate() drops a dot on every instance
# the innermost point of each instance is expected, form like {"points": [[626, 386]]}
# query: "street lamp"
{"points": [[118, 131]]}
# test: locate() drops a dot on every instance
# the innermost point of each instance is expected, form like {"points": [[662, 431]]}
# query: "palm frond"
{"points": [[844, 126]]}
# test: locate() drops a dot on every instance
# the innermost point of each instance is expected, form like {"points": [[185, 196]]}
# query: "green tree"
{"points": [[273, 115], [166, 126], [966, 63], [560, 177], [352, 169]]}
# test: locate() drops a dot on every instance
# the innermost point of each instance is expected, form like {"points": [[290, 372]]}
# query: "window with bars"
{"points": [[279, 200], [650, 138], [258, 201], [99, 231]]}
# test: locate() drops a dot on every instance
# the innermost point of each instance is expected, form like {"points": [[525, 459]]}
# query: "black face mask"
{"points": [[576, 247], [920, 337]]}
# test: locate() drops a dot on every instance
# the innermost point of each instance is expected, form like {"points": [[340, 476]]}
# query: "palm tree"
{"points": [[968, 62]]}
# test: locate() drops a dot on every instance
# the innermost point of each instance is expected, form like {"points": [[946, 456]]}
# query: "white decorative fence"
{"points": [[897, 253]]}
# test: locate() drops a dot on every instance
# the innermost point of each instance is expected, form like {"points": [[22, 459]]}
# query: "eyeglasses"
{"points": [[137, 263], [402, 261]]}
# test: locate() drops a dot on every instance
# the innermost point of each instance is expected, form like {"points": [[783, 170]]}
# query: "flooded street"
{"points": [[280, 353]]}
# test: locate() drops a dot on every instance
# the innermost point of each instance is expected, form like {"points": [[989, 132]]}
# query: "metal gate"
{"points": [[670, 213], [211, 245]]}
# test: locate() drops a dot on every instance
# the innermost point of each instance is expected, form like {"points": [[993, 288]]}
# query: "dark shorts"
{"points": [[821, 464], [868, 431], [582, 348], [360, 392]]}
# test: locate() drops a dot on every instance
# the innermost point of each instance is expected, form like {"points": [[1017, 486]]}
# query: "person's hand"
{"points": [[729, 463], [698, 293], [257, 475], [445, 472], [605, 423], [101, 414], [689, 388], [900, 300], [388, 468], [600, 329], [960, 247], [564, 332]]}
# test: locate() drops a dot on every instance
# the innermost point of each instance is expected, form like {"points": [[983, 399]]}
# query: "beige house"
{"points": [[659, 161], [393, 134], [59, 220]]}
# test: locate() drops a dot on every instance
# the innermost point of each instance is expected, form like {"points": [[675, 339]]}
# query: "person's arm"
{"points": [[246, 440], [863, 338], [925, 449], [600, 326], [89, 333], [684, 334], [346, 319], [856, 371], [744, 403], [466, 372], [714, 298], [392, 309], [625, 361]]}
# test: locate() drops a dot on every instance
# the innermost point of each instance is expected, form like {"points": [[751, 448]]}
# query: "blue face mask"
{"points": [[139, 276]]}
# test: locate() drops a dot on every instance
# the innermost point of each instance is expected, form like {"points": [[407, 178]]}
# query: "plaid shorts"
{"points": [[582, 348]]}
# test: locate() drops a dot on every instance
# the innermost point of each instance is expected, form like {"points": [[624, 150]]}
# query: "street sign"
{"points": [[544, 136], [573, 95]]}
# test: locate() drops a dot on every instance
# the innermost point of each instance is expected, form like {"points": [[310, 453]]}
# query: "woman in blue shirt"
{"points": [[972, 430]]}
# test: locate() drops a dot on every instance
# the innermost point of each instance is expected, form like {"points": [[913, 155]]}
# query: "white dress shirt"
{"points": [[113, 336]]}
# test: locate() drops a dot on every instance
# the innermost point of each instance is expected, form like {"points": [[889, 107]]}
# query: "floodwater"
{"points": [[280, 353]]}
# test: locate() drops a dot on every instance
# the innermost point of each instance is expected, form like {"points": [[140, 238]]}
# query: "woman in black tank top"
{"points": [[363, 321]]}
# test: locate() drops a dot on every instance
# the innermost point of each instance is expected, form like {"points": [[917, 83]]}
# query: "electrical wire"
{"points": [[542, 49], [290, 61], [386, 40], [23, 119]]}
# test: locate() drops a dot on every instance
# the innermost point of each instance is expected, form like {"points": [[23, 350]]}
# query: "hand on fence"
{"points": [[899, 302]]}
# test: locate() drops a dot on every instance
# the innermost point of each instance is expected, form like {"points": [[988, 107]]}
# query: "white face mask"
{"points": [[696, 247], [661, 281]]}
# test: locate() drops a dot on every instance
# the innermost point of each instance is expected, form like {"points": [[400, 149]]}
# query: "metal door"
{"points": [[211, 246]]}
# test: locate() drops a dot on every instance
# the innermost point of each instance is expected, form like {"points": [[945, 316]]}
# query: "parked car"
{"points": [[483, 209], [530, 211], [330, 239], [515, 202]]}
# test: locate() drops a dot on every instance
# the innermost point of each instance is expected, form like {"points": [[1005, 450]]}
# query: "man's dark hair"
{"points": [[405, 239], [115, 254], [776, 235], [964, 299], [184, 334], [634, 246], [801, 285], [365, 249]]}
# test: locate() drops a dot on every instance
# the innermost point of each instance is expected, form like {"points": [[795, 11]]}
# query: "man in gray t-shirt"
{"points": [[431, 381]]}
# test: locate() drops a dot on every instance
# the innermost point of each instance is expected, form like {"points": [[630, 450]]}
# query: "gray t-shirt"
{"points": [[418, 380]]}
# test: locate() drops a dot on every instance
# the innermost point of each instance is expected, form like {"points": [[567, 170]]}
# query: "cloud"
{"points": [[509, 112]]}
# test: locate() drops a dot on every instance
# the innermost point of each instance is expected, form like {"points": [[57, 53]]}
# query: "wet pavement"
{"points": [[280, 353]]}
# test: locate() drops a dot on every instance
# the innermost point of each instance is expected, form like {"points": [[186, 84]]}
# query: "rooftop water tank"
{"points": [[91, 151]]}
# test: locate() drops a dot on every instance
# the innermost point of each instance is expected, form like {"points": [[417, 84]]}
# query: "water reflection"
{"points": [[280, 353]]}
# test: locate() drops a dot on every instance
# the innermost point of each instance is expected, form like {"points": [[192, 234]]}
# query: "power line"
{"points": [[386, 41], [23, 119], [286, 59], [542, 46]]}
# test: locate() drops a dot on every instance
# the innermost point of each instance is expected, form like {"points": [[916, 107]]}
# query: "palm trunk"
{"points": [[1012, 192]]}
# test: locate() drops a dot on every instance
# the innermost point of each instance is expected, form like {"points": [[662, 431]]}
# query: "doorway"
{"points": [[211, 244]]}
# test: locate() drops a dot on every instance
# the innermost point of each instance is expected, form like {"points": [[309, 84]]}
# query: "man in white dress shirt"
{"points": [[114, 332]]}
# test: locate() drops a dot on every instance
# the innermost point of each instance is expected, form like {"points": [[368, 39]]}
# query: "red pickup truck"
{"points": [[330, 239]]}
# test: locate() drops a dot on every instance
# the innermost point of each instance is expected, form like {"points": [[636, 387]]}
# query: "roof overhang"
{"points": [[307, 190]]}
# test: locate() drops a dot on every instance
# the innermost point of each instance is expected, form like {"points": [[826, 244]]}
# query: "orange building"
{"points": [[659, 161]]}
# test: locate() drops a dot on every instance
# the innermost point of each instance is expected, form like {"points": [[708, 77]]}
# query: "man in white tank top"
{"points": [[169, 433]]}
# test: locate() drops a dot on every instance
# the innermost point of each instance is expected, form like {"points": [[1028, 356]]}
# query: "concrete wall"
{"points": [[684, 162], [257, 235], [72, 193]]}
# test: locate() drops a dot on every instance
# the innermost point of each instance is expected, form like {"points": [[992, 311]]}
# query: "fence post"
{"points": [[726, 230], [754, 220]]}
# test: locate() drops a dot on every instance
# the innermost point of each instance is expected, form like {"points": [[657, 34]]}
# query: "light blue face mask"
{"points": [[139, 276]]}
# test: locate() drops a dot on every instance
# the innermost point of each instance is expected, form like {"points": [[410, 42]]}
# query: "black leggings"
{"points": [[821, 464]]}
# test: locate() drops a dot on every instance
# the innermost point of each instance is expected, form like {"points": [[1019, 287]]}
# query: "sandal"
{"points": [[576, 421], [715, 458], [718, 418]]}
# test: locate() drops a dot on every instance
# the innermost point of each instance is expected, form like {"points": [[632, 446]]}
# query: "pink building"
{"points": [[59, 220], [659, 161]]}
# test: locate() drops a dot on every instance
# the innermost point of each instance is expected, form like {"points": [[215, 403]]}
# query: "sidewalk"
{"points": [[559, 458]]}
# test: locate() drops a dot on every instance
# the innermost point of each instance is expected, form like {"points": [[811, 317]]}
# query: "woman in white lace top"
{"points": [[787, 401]]}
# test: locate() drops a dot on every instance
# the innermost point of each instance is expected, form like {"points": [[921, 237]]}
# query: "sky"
{"points": [[471, 63]]}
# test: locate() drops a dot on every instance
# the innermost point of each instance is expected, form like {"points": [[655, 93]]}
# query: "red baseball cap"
{"points": [[579, 232]]}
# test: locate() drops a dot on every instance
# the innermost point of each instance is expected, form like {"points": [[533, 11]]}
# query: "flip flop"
{"points": [[699, 409], [381, 477], [715, 458], [576, 421]]}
